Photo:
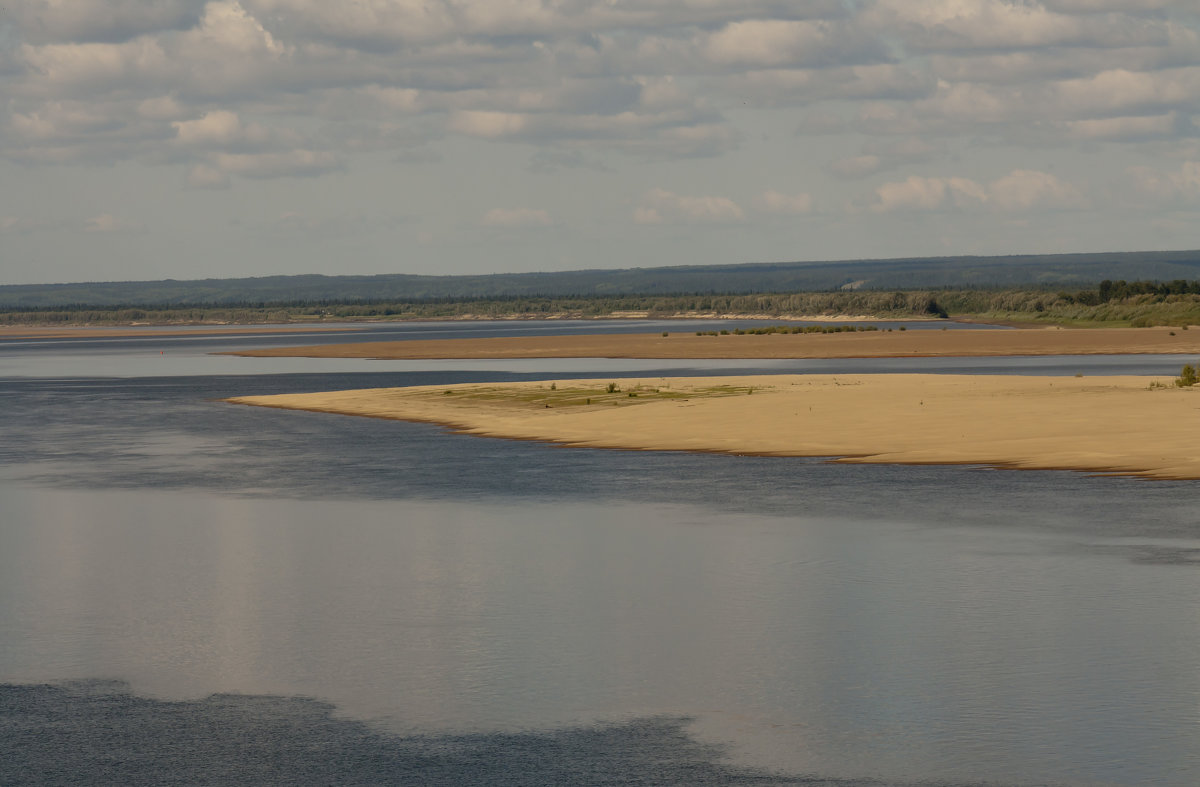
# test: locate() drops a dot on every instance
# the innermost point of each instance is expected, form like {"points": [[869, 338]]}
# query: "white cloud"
{"points": [[660, 206], [784, 42], [228, 27], [1093, 6], [215, 128], [1119, 91], [1183, 184], [224, 130], [489, 125], [62, 70], [204, 176], [974, 25], [517, 217], [920, 193], [1019, 191], [1022, 190]]}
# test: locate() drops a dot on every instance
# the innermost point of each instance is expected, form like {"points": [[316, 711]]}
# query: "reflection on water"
{"points": [[849, 648], [486, 611]]}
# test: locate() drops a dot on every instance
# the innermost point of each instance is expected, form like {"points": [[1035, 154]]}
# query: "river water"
{"points": [[197, 592]]}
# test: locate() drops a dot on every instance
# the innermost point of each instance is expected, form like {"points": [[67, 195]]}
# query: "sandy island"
{"points": [[685, 344], [1126, 425]]}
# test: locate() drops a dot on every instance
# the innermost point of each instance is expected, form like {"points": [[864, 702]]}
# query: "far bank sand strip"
{"points": [[1097, 424], [866, 344]]}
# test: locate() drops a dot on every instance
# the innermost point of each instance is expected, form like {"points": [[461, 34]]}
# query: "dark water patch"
{"points": [[98, 732]]}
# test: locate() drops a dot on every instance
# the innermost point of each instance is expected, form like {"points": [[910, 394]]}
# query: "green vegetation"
{"points": [[557, 397], [1187, 377]]}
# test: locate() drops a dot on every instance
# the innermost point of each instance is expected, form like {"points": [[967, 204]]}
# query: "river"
{"points": [[194, 591]]}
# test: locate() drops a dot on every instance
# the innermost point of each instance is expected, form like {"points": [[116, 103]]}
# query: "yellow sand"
{"points": [[1099, 424]]}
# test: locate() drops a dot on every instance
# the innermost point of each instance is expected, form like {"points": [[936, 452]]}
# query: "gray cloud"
{"points": [[379, 25], [109, 21]]}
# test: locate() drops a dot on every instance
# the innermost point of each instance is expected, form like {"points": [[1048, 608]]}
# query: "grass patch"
{"points": [[599, 395]]}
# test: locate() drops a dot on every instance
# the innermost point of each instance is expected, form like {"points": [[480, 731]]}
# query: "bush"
{"points": [[613, 388], [1187, 376]]}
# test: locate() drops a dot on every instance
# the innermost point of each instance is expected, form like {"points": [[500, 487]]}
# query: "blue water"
{"points": [[194, 591]]}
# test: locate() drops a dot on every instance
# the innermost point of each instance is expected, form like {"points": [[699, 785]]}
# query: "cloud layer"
{"points": [[891, 106], [97, 79]]}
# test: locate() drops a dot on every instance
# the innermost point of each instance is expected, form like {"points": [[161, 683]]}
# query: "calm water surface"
{"points": [[195, 591]]}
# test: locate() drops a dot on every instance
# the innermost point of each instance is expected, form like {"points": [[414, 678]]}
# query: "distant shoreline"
{"points": [[341, 324], [685, 344], [1123, 425]]}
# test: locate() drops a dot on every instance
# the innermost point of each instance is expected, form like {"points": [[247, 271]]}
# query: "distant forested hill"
{"points": [[910, 273]]}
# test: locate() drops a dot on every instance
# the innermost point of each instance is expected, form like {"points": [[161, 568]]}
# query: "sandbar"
{"points": [[1125, 425], [685, 344]]}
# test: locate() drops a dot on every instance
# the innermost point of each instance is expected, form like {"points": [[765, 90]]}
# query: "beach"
{"points": [[683, 344], [1125, 425]]}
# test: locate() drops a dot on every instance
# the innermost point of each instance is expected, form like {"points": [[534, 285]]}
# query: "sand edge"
{"points": [[1103, 425]]}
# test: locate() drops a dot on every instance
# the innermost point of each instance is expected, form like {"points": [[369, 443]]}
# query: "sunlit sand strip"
{"points": [[1126, 425], [686, 344]]}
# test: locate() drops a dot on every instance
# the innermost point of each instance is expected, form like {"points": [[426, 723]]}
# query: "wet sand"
{"points": [[685, 344], [1116, 424]]}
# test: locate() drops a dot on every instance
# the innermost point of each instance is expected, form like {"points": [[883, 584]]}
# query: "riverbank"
{"points": [[1125, 425], [860, 344]]}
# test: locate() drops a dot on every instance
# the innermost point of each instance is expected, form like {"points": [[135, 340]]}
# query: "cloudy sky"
{"points": [[149, 139]]}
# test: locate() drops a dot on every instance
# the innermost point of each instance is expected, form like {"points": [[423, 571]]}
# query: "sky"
{"points": [[186, 139]]}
